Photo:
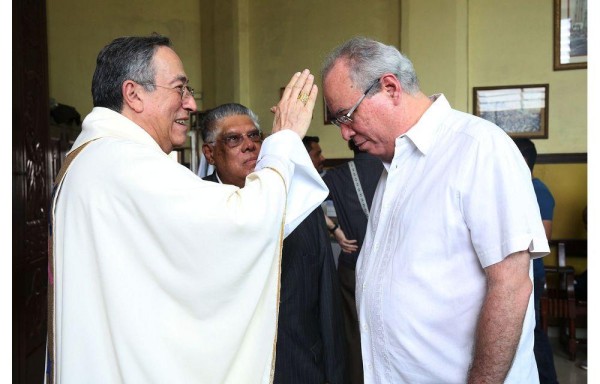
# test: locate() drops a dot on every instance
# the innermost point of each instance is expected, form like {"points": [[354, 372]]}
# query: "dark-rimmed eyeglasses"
{"points": [[235, 139], [184, 90], [347, 119]]}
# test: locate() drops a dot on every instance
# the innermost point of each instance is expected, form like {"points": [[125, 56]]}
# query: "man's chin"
{"points": [[367, 147], [179, 141]]}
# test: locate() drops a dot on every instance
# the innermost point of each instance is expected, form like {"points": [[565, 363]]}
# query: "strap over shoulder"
{"points": [[358, 187]]}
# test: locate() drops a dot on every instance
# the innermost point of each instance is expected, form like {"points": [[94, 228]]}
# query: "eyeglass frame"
{"points": [[184, 88], [347, 117], [239, 137]]}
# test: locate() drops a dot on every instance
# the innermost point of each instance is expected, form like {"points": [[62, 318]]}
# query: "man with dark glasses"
{"points": [[310, 329]]}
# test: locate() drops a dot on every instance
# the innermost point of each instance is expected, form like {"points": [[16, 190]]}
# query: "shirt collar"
{"points": [[423, 133]]}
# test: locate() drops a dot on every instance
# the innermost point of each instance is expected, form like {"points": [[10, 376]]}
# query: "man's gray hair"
{"points": [[368, 60], [208, 120], [125, 58]]}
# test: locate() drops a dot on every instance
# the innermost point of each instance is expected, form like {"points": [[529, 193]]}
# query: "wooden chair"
{"points": [[558, 302]]}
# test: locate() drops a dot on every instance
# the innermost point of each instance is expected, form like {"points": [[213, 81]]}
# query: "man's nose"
{"points": [[189, 104], [347, 132], [247, 143]]}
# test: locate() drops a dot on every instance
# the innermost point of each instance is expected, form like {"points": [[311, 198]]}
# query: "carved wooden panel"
{"points": [[31, 186], [35, 288]]}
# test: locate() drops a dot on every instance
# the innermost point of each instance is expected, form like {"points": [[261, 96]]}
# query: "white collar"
{"points": [[104, 122]]}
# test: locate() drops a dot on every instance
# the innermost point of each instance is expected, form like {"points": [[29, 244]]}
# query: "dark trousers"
{"points": [[354, 368], [541, 346]]}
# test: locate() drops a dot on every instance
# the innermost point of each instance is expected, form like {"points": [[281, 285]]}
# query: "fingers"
{"points": [[349, 244], [349, 249], [312, 96], [287, 92], [301, 83], [294, 110], [307, 86], [294, 87]]}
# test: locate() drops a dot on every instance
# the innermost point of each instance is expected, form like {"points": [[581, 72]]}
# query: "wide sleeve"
{"points": [[284, 152]]}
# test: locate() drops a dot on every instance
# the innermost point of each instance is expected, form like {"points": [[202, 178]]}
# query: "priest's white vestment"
{"points": [[161, 277]]}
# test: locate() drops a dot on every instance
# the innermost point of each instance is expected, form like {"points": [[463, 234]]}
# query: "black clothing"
{"points": [[310, 335], [353, 222], [345, 200]]}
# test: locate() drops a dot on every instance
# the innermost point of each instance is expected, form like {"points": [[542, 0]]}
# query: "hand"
{"points": [[294, 110], [348, 246]]}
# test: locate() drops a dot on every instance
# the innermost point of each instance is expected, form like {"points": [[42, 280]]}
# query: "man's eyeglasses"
{"points": [[184, 89], [347, 119], [235, 140]]}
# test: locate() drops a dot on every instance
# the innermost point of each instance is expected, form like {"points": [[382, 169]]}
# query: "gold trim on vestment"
{"points": [[281, 233], [51, 347]]}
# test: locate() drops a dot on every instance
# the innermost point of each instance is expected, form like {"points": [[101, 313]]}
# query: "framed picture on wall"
{"points": [[520, 110], [570, 34]]}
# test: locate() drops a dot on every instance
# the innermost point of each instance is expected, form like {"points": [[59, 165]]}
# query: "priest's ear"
{"points": [[207, 150], [133, 95]]}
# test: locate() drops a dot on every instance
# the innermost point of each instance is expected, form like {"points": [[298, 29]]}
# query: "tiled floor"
{"points": [[569, 372]]}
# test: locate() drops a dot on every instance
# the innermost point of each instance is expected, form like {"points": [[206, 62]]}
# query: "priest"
{"points": [[155, 275]]}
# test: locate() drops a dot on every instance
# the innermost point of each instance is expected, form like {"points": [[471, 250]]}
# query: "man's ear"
{"points": [[132, 96], [207, 151], [392, 86]]}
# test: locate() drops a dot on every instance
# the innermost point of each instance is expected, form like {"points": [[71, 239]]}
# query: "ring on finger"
{"points": [[303, 97]]}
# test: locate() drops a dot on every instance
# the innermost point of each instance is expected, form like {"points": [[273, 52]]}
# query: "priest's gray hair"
{"points": [[125, 58], [209, 119], [368, 60]]}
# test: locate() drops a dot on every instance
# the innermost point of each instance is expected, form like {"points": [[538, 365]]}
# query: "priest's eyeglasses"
{"points": [[235, 139], [184, 90], [347, 119]]}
